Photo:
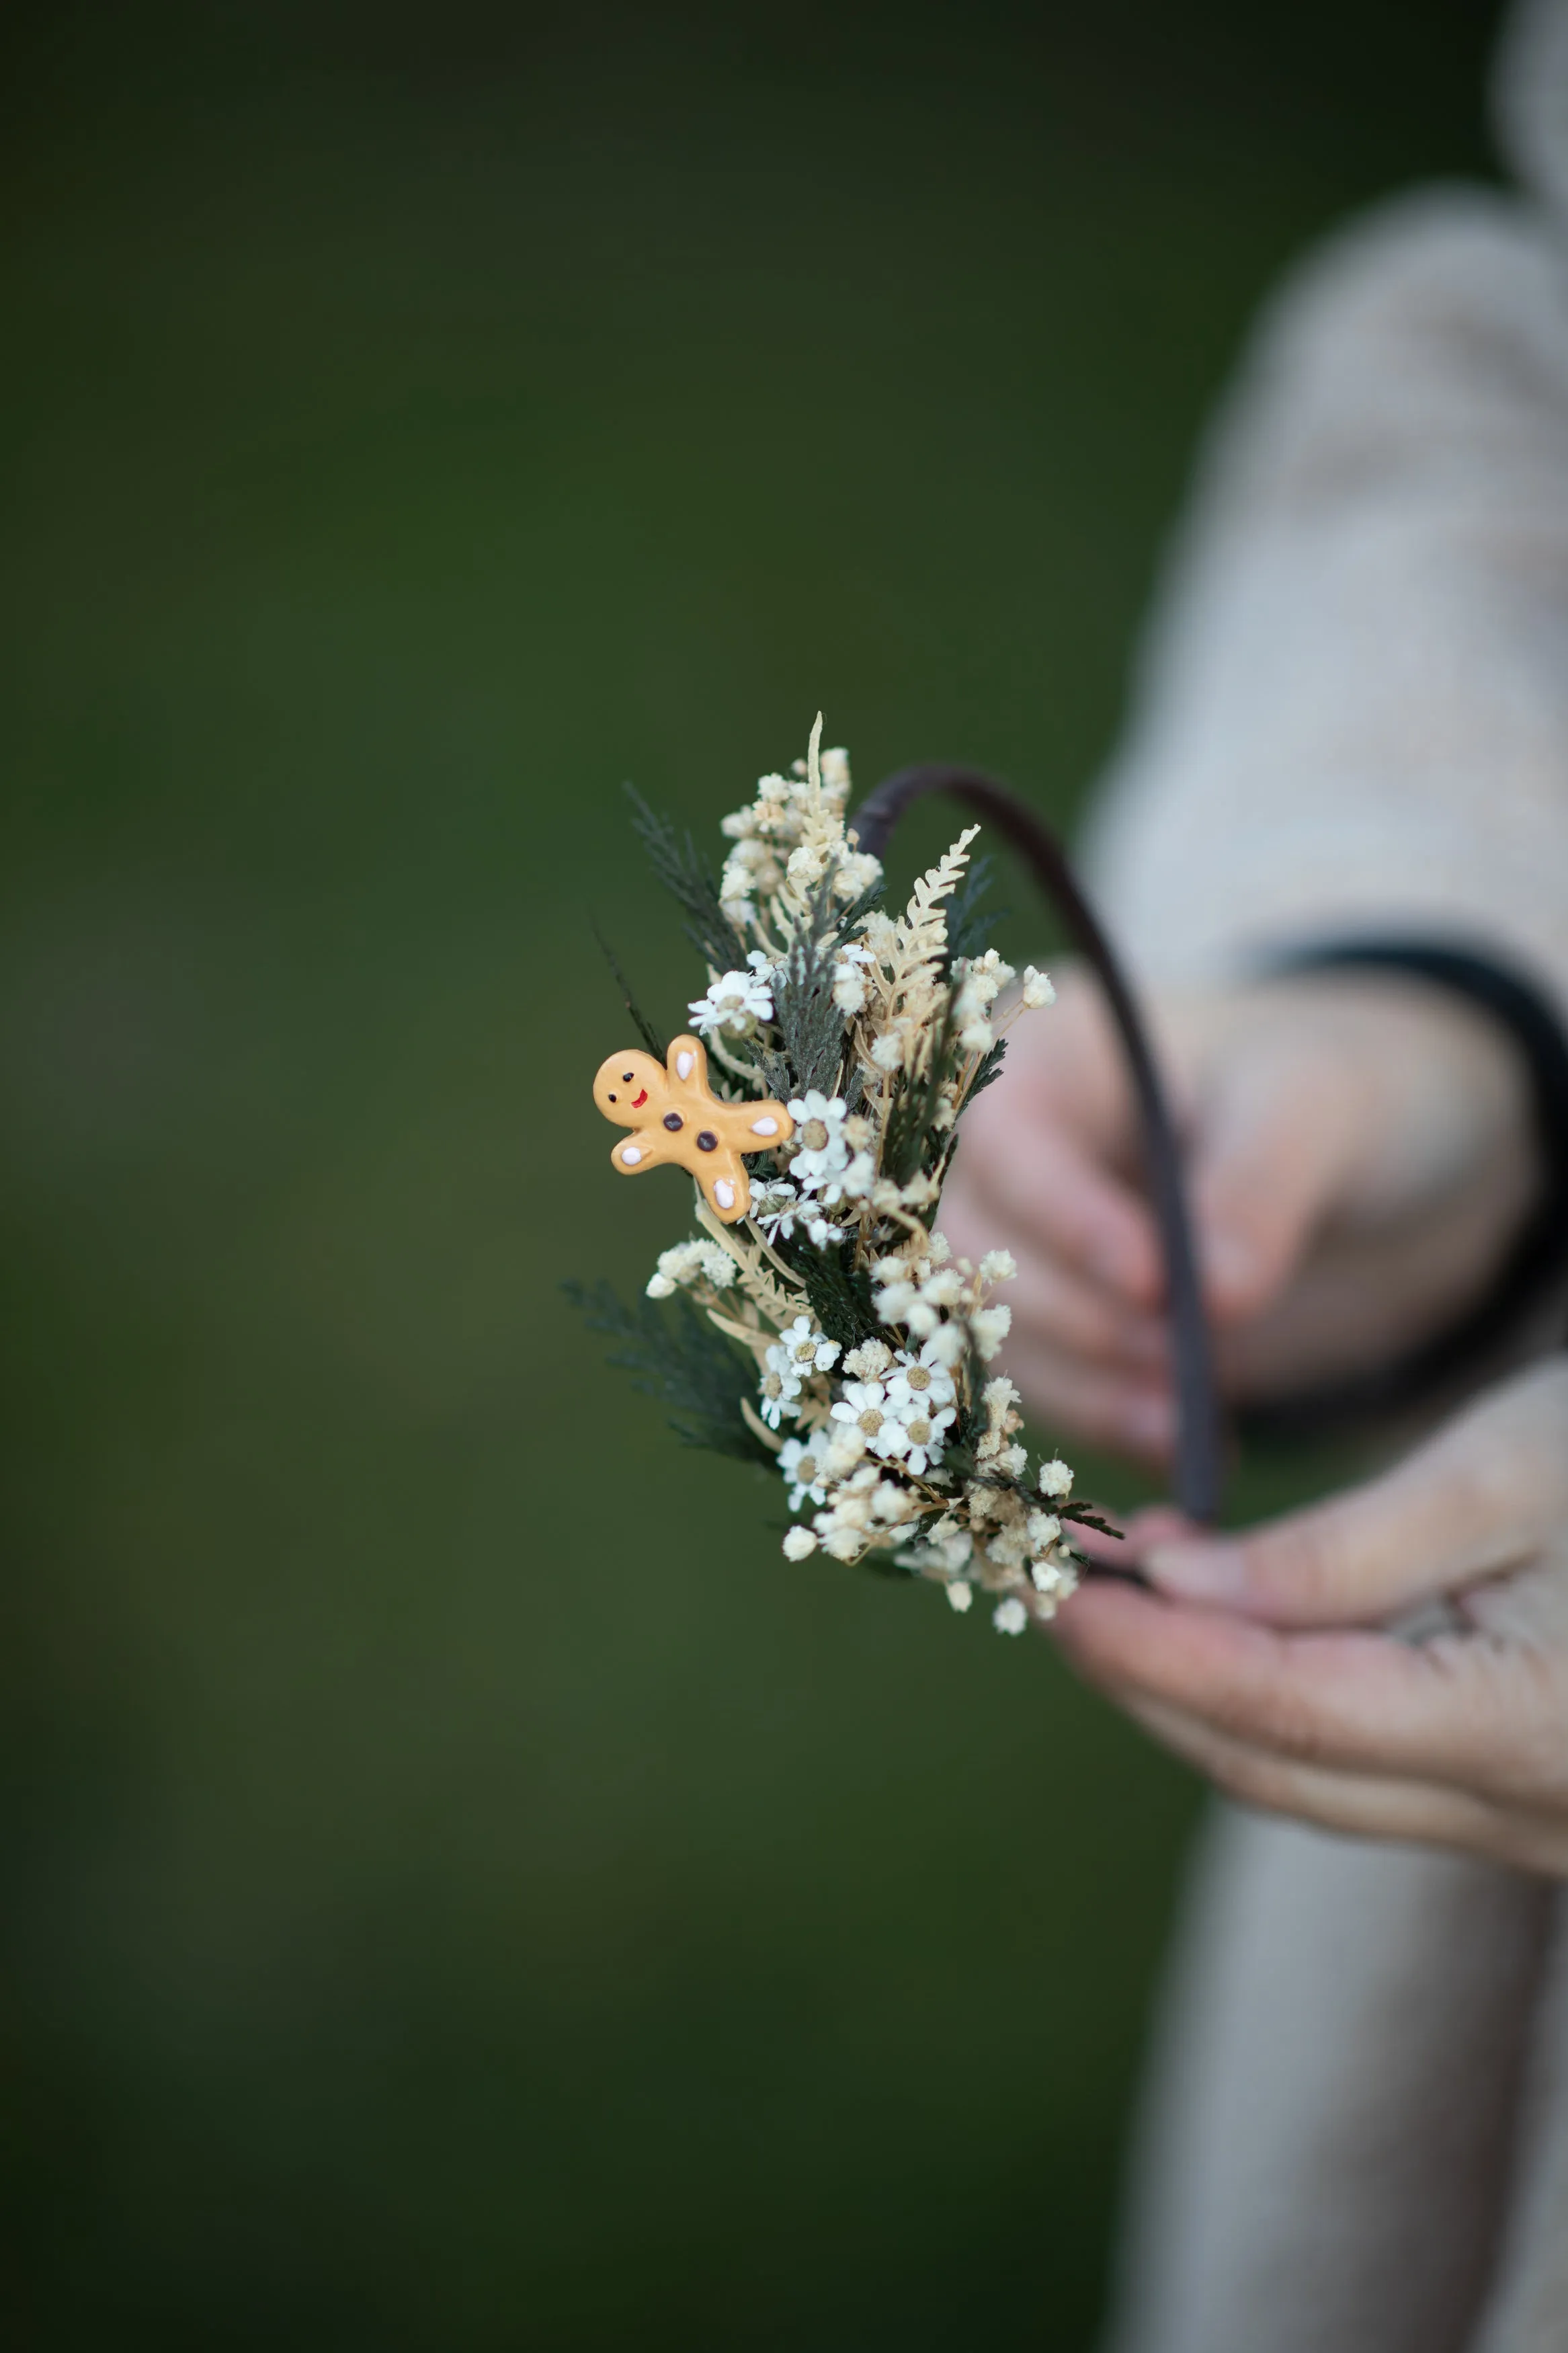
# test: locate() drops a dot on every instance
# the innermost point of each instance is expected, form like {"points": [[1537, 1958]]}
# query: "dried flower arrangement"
{"points": [[820, 1325]]}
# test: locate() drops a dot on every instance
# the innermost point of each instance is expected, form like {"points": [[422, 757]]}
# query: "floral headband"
{"points": [[819, 1323]]}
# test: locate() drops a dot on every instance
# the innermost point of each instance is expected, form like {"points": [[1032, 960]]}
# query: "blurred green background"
{"points": [[464, 1890]]}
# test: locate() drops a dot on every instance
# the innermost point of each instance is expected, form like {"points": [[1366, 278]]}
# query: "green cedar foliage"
{"points": [[640, 1022], [685, 874], [681, 1359]]}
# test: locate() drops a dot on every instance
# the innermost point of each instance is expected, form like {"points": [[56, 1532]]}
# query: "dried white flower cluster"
{"points": [[867, 1336]]}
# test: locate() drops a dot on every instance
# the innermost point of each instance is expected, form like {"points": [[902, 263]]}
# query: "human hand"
{"points": [[1265, 1658], [1362, 1154]]}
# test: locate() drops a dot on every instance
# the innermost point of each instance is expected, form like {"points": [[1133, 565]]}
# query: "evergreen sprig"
{"points": [[685, 873], [840, 1295], [911, 1131], [969, 924], [650, 1036], [810, 1026], [682, 1359]]}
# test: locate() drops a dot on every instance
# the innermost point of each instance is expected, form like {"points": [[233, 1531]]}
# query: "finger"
{"points": [[1479, 1498], [1457, 1710], [1072, 1316], [1361, 1805], [1099, 1407], [1276, 1141], [1059, 1308], [1037, 1179], [1159, 1524], [1125, 1550]]}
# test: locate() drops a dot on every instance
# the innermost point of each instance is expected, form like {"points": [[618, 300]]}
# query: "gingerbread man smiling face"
{"points": [[674, 1115]]}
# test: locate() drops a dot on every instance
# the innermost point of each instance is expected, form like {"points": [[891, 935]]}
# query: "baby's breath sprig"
{"points": [[847, 1345]]}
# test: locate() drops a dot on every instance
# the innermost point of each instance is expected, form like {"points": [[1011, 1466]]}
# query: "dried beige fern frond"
{"points": [[904, 980], [780, 1307]]}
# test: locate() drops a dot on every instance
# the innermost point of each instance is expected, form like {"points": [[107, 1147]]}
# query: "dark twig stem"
{"points": [[1200, 1441]]}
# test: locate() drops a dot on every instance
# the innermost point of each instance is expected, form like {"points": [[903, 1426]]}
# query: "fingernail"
{"points": [[1197, 1572]]}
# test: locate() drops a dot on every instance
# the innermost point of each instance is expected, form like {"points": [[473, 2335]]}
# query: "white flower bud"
{"points": [[990, 1327], [844, 1449], [894, 1301]]}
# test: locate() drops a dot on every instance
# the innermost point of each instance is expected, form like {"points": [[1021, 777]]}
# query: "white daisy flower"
{"points": [[1010, 1617], [737, 999], [821, 1147], [960, 1595], [851, 989], [777, 1208], [864, 1406], [892, 1440], [926, 1427], [798, 1544], [778, 1389], [922, 1380], [802, 1465], [807, 1349], [851, 1184], [1056, 1479]]}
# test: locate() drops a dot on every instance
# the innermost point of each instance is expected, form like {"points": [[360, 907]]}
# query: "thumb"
{"points": [[1483, 1495], [1277, 1139]]}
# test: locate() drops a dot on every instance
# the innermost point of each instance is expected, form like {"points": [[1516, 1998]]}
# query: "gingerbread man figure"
{"points": [[674, 1115]]}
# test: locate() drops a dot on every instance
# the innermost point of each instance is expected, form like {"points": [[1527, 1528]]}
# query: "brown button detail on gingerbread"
{"points": [[660, 1132]]}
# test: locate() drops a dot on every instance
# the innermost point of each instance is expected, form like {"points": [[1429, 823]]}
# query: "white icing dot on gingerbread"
{"points": [[677, 1117]]}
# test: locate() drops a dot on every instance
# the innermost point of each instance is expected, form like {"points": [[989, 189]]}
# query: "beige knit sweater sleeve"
{"points": [[1352, 715]]}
